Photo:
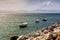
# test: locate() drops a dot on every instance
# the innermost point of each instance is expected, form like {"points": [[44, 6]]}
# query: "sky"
{"points": [[28, 6]]}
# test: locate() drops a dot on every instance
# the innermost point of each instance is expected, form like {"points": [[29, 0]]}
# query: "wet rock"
{"points": [[14, 38]]}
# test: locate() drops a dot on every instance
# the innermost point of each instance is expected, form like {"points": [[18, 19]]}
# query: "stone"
{"points": [[34, 34], [50, 37], [50, 28], [22, 37], [58, 38], [14, 38], [46, 31], [55, 35]]}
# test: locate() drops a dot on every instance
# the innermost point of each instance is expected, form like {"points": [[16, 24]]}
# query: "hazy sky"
{"points": [[30, 5]]}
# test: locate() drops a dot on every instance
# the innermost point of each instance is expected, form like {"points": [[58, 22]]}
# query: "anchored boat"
{"points": [[45, 19], [37, 21], [23, 24]]}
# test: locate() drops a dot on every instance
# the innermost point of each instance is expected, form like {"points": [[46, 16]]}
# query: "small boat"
{"points": [[23, 24], [45, 19], [37, 21]]}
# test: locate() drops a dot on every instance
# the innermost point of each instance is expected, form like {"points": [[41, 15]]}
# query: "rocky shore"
{"points": [[49, 33]]}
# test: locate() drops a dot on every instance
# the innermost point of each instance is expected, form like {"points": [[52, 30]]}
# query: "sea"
{"points": [[10, 23]]}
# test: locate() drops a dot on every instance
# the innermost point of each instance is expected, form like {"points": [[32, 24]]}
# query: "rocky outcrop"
{"points": [[49, 33]]}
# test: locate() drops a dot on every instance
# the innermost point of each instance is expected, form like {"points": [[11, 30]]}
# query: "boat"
{"points": [[45, 19], [23, 24], [37, 21]]}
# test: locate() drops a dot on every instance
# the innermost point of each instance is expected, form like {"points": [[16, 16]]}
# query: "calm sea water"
{"points": [[9, 24]]}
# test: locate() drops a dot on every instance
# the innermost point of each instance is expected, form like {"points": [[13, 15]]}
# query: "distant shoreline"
{"points": [[27, 13]]}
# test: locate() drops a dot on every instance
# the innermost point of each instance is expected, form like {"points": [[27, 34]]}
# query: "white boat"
{"points": [[45, 19], [23, 24], [37, 21]]}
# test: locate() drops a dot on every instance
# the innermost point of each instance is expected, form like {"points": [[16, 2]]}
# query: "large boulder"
{"points": [[14, 38]]}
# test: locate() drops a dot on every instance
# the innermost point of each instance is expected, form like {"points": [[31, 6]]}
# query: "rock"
{"points": [[30, 38], [36, 39], [42, 30], [55, 35], [34, 34], [56, 30], [54, 26], [58, 38], [50, 28], [58, 34], [59, 27], [58, 22], [46, 28], [22, 37], [46, 31], [50, 37], [14, 38]]}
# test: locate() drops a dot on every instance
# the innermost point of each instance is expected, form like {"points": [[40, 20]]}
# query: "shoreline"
{"points": [[47, 33]]}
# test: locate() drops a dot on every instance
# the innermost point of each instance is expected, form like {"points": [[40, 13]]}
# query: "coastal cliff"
{"points": [[48, 33]]}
